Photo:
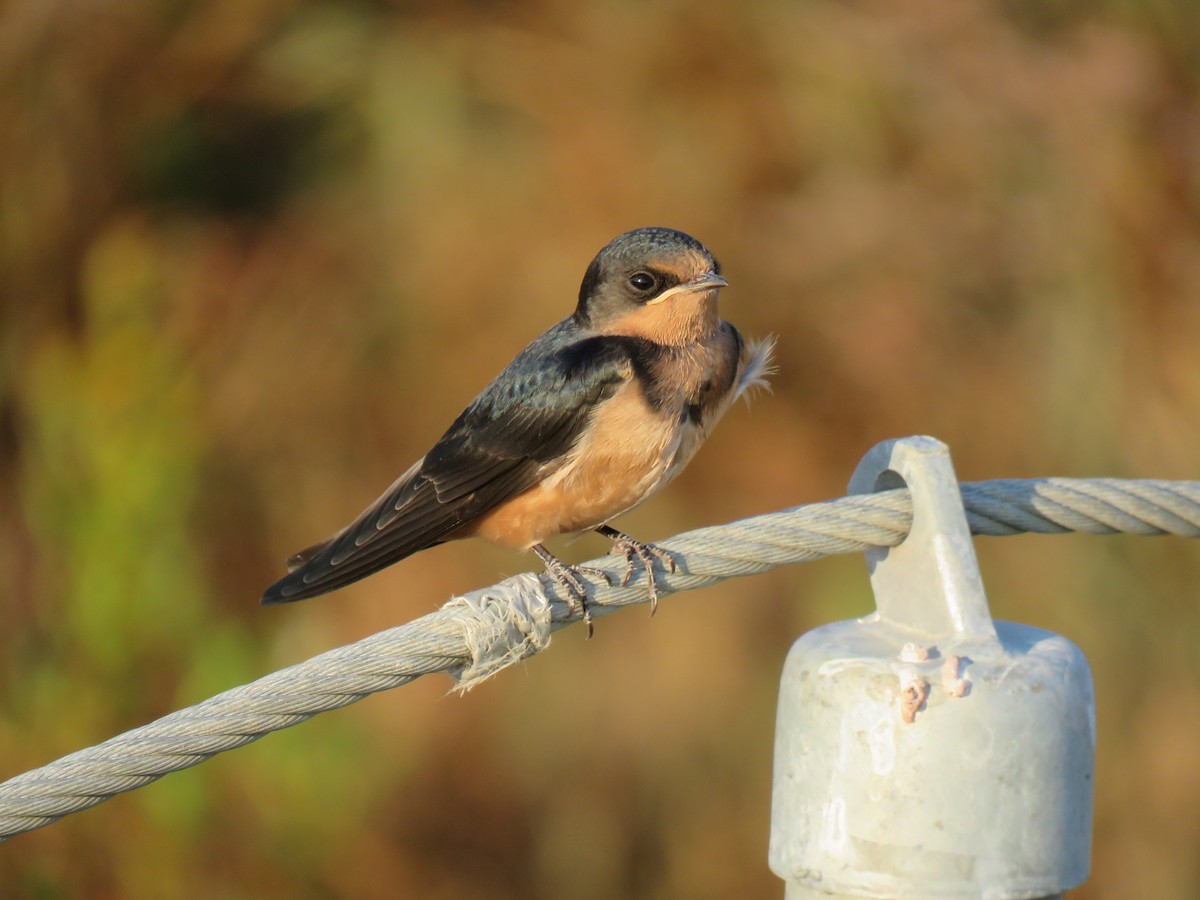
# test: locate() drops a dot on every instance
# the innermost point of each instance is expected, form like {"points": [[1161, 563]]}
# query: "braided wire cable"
{"points": [[474, 636]]}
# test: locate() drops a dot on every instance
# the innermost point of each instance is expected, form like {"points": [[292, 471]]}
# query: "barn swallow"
{"points": [[588, 421]]}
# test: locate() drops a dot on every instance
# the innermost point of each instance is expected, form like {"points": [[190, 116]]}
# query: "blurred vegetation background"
{"points": [[255, 256]]}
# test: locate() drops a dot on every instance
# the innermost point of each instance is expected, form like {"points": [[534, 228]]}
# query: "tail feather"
{"points": [[298, 560], [317, 569], [410, 517]]}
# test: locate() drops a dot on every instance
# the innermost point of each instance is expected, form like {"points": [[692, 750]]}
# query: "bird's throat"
{"points": [[680, 320]]}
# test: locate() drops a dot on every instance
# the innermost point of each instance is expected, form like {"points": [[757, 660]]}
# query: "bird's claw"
{"points": [[570, 579], [636, 551]]}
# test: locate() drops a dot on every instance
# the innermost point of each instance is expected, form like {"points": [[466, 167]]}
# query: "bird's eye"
{"points": [[642, 281]]}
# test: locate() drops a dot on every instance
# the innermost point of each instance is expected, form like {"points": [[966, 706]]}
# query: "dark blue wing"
{"points": [[512, 436]]}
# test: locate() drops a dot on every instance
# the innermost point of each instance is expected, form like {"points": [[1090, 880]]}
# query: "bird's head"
{"points": [[655, 283]]}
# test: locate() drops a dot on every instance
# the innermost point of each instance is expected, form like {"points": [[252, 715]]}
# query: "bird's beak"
{"points": [[707, 281]]}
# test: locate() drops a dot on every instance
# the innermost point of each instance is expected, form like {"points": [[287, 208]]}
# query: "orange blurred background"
{"points": [[256, 256]]}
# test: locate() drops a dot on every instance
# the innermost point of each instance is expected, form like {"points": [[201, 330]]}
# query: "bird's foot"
{"points": [[570, 579], [633, 549]]}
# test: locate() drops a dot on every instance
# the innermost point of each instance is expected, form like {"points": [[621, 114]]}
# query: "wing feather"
{"points": [[513, 435]]}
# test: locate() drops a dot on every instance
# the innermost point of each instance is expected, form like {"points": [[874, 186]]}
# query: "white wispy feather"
{"points": [[759, 365]]}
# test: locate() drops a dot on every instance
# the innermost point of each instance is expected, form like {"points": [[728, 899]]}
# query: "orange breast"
{"points": [[629, 450], [626, 455]]}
